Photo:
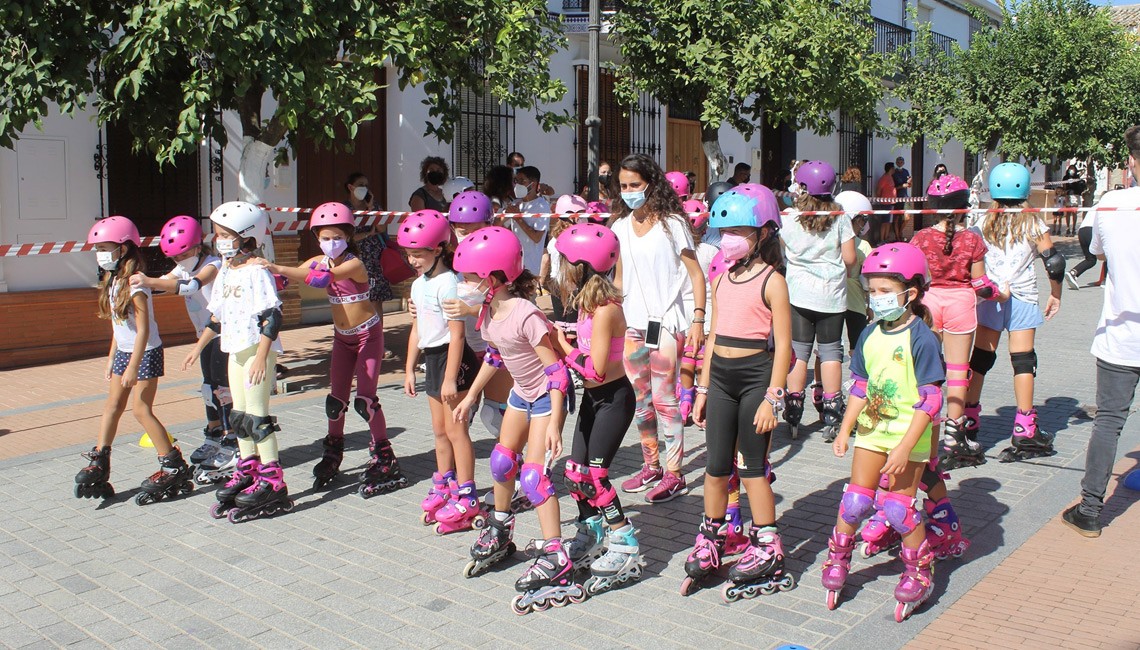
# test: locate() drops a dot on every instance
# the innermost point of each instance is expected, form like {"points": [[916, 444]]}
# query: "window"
{"points": [[484, 136], [624, 130]]}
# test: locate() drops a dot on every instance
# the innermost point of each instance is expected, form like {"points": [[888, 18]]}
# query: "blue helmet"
{"points": [[737, 209], [1009, 181]]}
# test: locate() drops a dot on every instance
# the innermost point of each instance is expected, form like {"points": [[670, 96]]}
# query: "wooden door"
{"points": [[683, 151], [777, 149]]}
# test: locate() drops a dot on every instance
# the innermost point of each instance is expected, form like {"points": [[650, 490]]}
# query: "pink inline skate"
{"points": [[438, 496]]}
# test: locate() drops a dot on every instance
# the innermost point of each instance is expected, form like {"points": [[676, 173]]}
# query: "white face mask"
{"points": [[360, 192], [226, 247], [188, 265], [107, 260], [521, 191], [471, 293]]}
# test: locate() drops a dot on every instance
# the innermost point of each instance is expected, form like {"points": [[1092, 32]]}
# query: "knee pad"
{"points": [[491, 417], [208, 399], [577, 481], [831, 351], [536, 484], [982, 360], [1024, 363], [801, 350], [504, 463], [603, 493], [261, 427], [856, 503], [334, 408], [367, 407], [224, 396], [931, 476], [238, 421], [900, 512]]}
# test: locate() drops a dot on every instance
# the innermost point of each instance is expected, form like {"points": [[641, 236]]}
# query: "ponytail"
{"points": [[525, 286], [916, 307]]}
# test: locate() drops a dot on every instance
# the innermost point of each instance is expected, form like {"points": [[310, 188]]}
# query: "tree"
{"points": [[167, 68], [791, 62], [1056, 79]]}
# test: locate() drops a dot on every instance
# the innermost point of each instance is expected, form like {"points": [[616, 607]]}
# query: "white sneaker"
{"points": [[1071, 280]]}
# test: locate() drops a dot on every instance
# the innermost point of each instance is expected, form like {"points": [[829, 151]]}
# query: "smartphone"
{"points": [[653, 334]]}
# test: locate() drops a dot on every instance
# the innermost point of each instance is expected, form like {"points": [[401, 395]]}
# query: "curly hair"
{"points": [[852, 175], [661, 202], [428, 162]]}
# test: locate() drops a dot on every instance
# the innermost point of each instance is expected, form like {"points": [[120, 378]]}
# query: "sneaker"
{"points": [[642, 480], [1071, 280], [1085, 525], [670, 487]]}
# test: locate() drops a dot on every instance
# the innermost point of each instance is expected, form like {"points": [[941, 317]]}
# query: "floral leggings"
{"points": [[653, 374]]}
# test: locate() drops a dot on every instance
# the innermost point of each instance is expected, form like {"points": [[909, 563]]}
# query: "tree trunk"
{"points": [[256, 156], [710, 142]]}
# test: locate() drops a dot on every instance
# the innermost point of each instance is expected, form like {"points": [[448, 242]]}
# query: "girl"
{"points": [[450, 367], [1012, 238], [589, 253], [136, 359], [358, 346], [192, 278], [741, 392], [519, 338], [657, 254], [897, 372], [247, 314], [550, 272], [820, 249], [679, 182], [691, 359]]}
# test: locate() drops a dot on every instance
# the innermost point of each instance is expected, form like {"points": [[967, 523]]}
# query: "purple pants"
{"points": [[359, 355]]}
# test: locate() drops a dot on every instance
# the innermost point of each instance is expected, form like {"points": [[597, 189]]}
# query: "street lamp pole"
{"points": [[593, 122]]}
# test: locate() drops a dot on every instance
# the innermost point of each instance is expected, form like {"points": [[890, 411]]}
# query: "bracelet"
{"points": [[698, 321], [700, 309], [702, 390]]}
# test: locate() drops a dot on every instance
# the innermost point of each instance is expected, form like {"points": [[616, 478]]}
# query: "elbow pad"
{"points": [[215, 326], [859, 387], [1054, 264], [583, 364], [188, 287], [492, 357], [280, 282], [930, 401], [557, 377], [270, 322], [985, 288], [319, 276]]}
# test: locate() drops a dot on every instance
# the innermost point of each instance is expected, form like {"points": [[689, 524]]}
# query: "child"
{"points": [[358, 346], [192, 278], [519, 338], [897, 372], [247, 314], [550, 273], [691, 359], [1012, 239], [679, 182], [136, 359], [450, 367], [741, 393], [589, 253]]}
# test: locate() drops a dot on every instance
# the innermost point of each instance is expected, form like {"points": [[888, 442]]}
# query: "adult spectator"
{"points": [[531, 231], [851, 180], [902, 190], [499, 186], [740, 174], [433, 174], [370, 240], [604, 175], [517, 161], [885, 188], [1116, 344]]}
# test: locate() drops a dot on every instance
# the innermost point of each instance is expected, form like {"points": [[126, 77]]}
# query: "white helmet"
{"points": [[246, 219], [455, 186], [852, 203]]}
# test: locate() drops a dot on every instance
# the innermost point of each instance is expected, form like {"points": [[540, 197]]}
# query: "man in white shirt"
{"points": [[531, 231], [1116, 344]]}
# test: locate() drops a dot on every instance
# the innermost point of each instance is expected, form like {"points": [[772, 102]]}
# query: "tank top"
{"points": [[742, 321], [342, 292], [430, 202], [586, 333]]}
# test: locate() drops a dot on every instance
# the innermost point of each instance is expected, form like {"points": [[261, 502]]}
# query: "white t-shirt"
{"points": [[817, 277], [428, 294], [653, 277], [532, 250], [1013, 263], [239, 295], [705, 254], [125, 331], [555, 261], [197, 302], [1115, 235]]}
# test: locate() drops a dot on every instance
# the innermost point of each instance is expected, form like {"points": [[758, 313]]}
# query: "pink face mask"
{"points": [[333, 247], [734, 246]]}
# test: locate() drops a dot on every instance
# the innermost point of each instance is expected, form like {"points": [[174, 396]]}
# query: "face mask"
{"points": [[107, 260], [471, 293], [734, 246], [634, 199], [360, 192], [521, 191], [886, 306], [226, 247], [188, 265], [333, 247], [604, 179], [436, 178]]}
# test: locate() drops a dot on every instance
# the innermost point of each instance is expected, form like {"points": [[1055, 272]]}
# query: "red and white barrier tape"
{"points": [[51, 248]]}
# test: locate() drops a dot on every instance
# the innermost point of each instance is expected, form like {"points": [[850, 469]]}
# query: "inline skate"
{"points": [[172, 478], [493, 544], [549, 581], [877, 534], [705, 556], [817, 398], [761, 569], [794, 411], [621, 562], [972, 421], [588, 544], [219, 467], [329, 465], [211, 444], [438, 495], [832, 415], [1028, 440], [245, 475], [519, 502], [837, 565], [957, 448], [265, 497], [914, 586], [943, 530], [91, 481], [462, 512], [382, 473], [735, 541]]}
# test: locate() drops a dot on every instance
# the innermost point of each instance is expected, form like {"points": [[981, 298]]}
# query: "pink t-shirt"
{"points": [[950, 270], [516, 336]]}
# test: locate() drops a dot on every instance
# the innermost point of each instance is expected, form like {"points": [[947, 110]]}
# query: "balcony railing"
{"points": [[890, 38], [944, 42], [583, 6]]}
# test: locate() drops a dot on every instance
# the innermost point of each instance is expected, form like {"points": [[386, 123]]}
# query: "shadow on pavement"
{"points": [[1121, 498]]}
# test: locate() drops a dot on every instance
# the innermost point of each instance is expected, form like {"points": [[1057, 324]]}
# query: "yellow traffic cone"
{"points": [[146, 443]]}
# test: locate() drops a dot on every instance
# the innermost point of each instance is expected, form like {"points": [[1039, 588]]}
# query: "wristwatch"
{"points": [[775, 397]]}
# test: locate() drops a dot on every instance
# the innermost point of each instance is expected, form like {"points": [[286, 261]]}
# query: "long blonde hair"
{"points": [[594, 292], [1014, 226], [819, 223], [130, 263]]}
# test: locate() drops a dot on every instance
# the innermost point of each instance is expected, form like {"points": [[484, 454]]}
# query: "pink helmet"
{"points": [[679, 181], [905, 261], [696, 211], [570, 203], [597, 207], [179, 235], [590, 243], [470, 207], [717, 266], [424, 229], [947, 184], [817, 176], [488, 250], [332, 214], [115, 230]]}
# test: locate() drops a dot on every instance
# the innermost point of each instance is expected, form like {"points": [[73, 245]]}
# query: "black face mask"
{"points": [[436, 177], [604, 179]]}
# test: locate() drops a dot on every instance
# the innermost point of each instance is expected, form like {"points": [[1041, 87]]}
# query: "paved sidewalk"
{"points": [[341, 571]]}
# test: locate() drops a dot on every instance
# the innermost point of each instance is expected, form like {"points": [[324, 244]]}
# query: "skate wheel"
{"points": [[518, 608], [902, 612], [439, 529], [560, 601], [289, 506], [144, 498], [217, 511], [80, 491], [427, 518], [471, 570], [865, 550], [730, 593], [541, 606], [364, 492], [788, 583], [479, 521], [689, 586], [187, 487], [832, 599], [235, 516], [580, 598], [795, 430], [108, 491]]}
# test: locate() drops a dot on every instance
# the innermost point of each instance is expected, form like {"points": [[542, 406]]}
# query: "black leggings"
{"points": [[215, 374], [736, 390], [856, 322], [1084, 236], [603, 417], [810, 326]]}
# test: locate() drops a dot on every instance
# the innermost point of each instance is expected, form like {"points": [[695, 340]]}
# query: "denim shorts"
{"points": [[539, 408], [1012, 315]]}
